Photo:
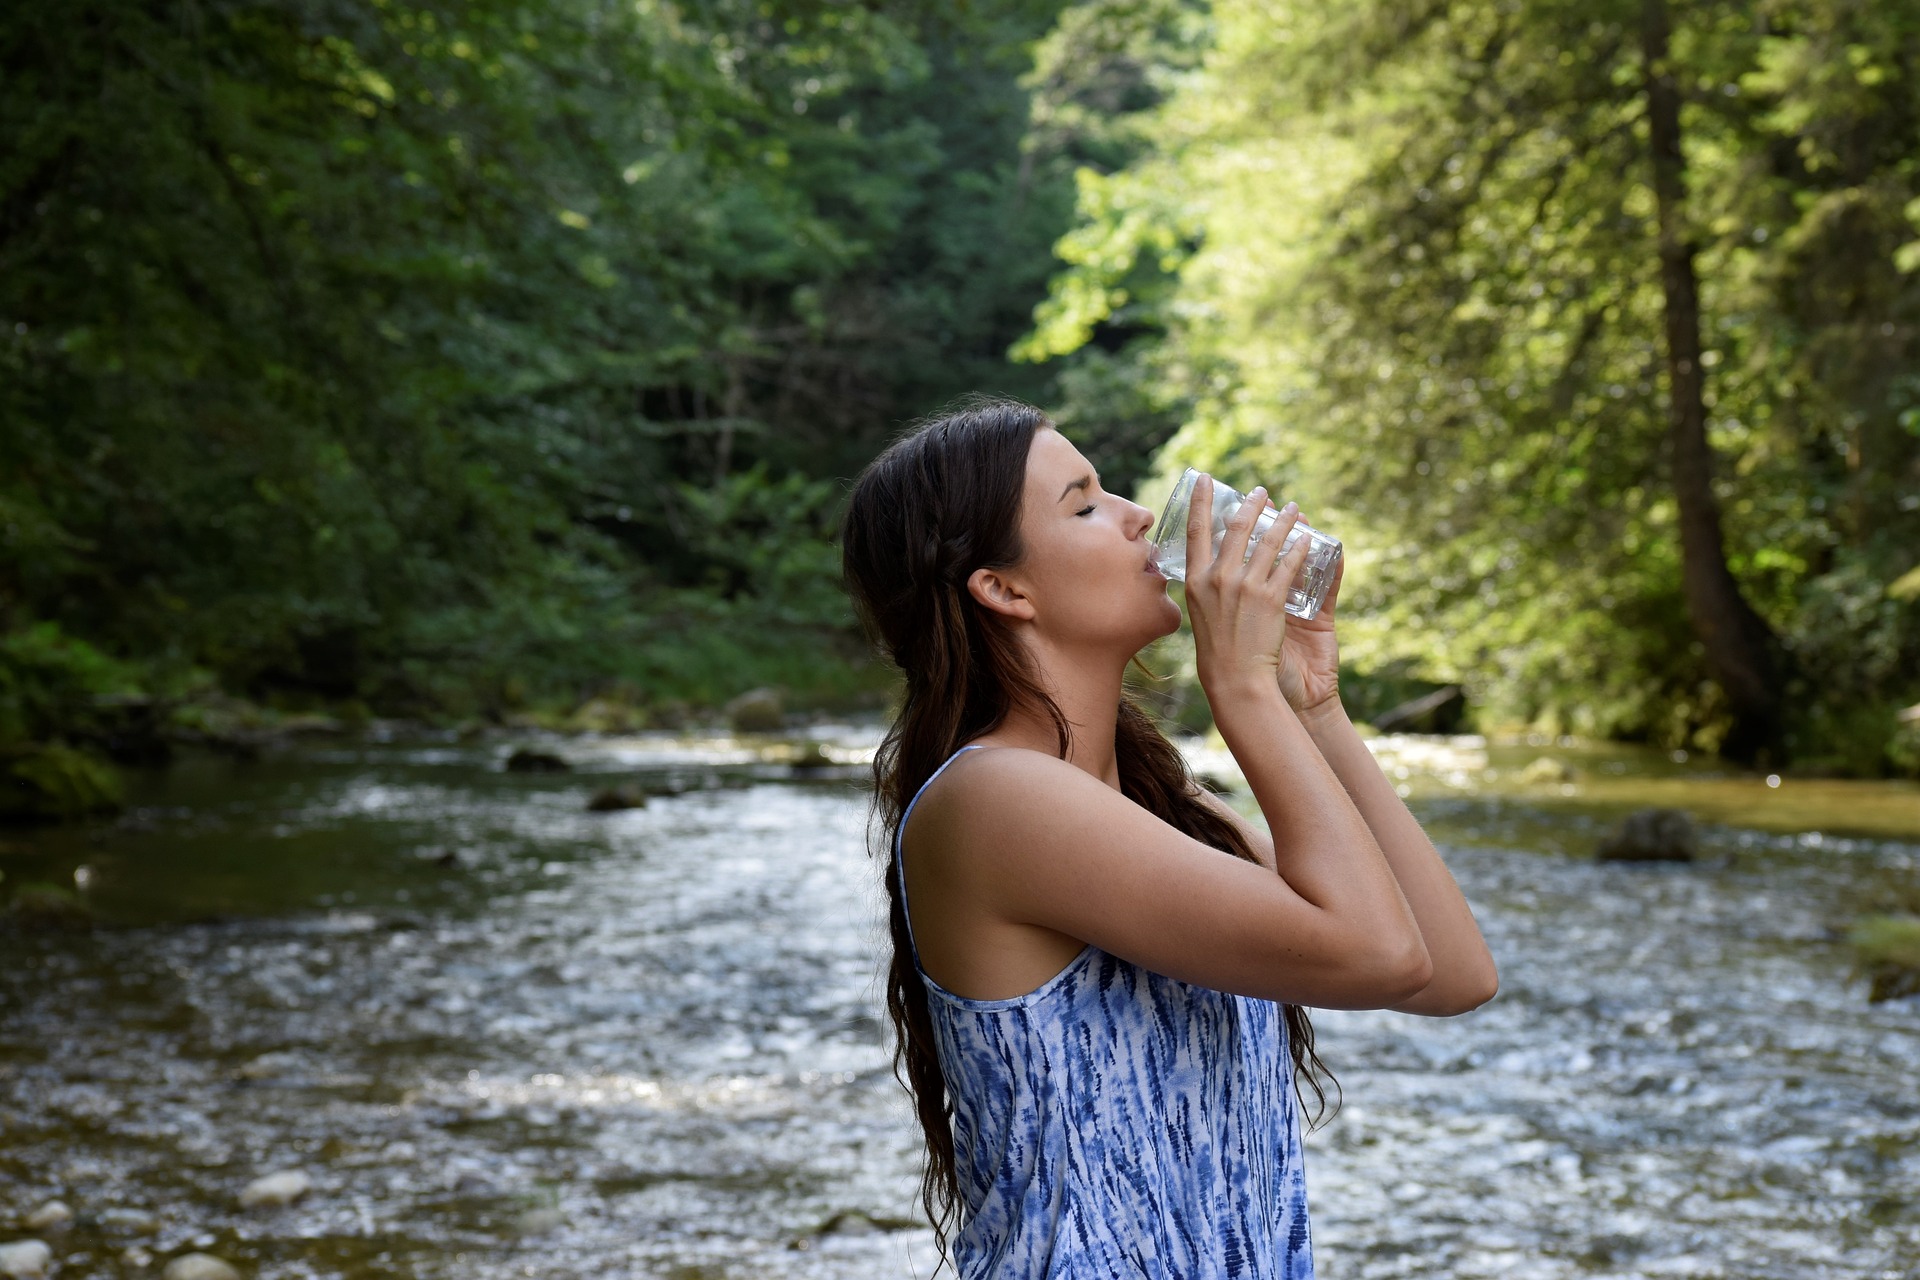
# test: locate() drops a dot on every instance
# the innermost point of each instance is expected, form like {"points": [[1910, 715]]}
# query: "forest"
{"points": [[494, 361]]}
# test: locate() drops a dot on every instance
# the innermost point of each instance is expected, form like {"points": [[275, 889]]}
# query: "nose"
{"points": [[1142, 523]]}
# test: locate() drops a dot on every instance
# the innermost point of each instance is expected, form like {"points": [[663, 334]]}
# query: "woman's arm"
{"points": [[1463, 972]]}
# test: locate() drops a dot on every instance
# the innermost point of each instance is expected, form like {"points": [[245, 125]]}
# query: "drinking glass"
{"points": [[1170, 543]]}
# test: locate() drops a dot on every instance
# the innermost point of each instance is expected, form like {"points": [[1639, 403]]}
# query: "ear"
{"points": [[996, 591]]}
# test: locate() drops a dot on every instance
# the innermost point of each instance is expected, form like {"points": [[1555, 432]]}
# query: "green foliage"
{"points": [[41, 783], [1422, 295], [412, 350]]}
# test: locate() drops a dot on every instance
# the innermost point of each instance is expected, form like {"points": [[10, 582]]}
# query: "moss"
{"points": [[49, 782], [1887, 950]]}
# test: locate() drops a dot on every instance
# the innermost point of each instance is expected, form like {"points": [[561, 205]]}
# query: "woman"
{"points": [[1099, 1015]]}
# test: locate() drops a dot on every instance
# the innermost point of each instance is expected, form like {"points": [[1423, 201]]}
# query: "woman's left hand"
{"points": [[1310, 655]]}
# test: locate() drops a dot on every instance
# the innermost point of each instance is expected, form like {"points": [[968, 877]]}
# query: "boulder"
{"points": [[51, 1216], [276, 1190], [757, 711], [615, 799], [1650, 835], [47, 782], [25, 1259], [533, 760], [199, 1266]]}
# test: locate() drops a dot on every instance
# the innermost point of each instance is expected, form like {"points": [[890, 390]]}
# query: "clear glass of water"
{"points": [[1170, 543]]}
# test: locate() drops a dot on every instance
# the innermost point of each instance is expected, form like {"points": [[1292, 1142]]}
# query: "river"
{"points": [[504, 1036]]}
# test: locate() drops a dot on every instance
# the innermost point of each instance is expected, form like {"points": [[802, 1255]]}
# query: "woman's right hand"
{"points": [[1237, 605]]}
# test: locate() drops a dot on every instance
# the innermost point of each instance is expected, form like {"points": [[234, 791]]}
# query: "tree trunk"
{"points": [[1741, 649]]}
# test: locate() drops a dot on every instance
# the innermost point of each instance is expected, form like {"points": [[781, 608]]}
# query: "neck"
{"points": [[1086, 687]]}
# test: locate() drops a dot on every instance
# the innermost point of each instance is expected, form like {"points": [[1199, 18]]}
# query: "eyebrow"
{"points": [[1081, 483]]}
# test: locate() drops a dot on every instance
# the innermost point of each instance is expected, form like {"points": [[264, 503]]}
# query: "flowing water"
{"points": [[505, 1036]]}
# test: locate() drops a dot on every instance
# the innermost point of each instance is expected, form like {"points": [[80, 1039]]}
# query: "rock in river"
{"points": [[1650, 835], [276, 1190], [198, 1266], [532, 760], [756, 711], [51, 1216], [25, 1259], [614, 799]]}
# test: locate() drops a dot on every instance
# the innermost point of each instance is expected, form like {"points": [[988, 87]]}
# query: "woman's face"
{"points": [[1086, 569]]}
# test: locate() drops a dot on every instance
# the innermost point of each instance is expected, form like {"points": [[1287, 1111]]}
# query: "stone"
{"points": [[134, 1258], [51, 1216], [1650, 835], [25, 1259], [537, 1222], [533, 760], [134, 1221], [199, 1266], [276, 1190], [810, 758], [757, 711], [614, 799]]}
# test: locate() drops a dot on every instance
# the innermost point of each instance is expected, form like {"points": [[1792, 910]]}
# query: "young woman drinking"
{"points": [[1100, 970]]}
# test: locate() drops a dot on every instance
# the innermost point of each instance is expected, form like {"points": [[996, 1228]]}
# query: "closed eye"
{"points": [[1084, 510]]}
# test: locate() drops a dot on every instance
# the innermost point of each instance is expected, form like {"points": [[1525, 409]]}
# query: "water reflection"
{"points": [[506, 1036]]}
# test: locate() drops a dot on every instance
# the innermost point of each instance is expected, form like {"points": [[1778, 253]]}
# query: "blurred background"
{"points": [[424, 425]]}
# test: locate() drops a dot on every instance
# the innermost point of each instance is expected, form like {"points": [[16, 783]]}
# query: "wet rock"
{"points": [[856, 1222], [1887, 950], [51, 1216], [276, 1190], [311, 725], [614, 799], [811, 758], [1650, 835], [1545, 771], [25, 1259], [757, 711], [533, 760], [39, 905], [199, 1266], [134, 1258], [47, 782], [132, 1221], [538, 1222]]}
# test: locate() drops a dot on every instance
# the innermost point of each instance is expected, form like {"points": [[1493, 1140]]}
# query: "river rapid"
{"points": [[504, 1036]]}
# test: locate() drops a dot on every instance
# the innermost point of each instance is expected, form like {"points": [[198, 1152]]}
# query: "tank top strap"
{"points": [[899, 836]]}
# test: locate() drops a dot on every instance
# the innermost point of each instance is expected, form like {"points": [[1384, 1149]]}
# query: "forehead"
{"points": [[1052, 462]]}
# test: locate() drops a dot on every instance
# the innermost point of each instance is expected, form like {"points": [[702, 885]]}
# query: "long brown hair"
{"points": [[939, 503]]}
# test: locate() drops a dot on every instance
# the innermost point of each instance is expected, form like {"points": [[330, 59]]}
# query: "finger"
{"points": [[1200, 526], [1276, 563], [1233, 547], [1289, 567], [1333, 588]]}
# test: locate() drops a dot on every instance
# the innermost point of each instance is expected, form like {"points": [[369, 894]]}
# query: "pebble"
{"points": [[138, 1221], [134, 1258], [50, 1216], [198, 1266], [276, 1190], [25, 1259]]}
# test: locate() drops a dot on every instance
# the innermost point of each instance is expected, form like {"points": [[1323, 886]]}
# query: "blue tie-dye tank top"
{"points": [[1118, 1123]]}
